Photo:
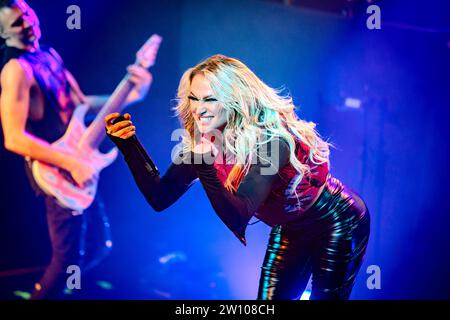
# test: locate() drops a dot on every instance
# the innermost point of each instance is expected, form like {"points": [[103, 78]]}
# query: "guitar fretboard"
{"points": [[94, 135]]}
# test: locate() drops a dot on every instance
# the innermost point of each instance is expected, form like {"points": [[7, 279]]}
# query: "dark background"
{"points": [[393, 150]]}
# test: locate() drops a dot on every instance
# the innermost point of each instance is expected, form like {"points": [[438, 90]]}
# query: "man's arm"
{"points": [[16, 83]]}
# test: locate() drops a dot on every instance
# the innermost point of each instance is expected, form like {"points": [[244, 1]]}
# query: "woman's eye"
{"points": [[211, 100], [192, 98]]}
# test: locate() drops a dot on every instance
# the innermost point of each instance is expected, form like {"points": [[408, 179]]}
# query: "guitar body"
{"points": [[57, 182]]}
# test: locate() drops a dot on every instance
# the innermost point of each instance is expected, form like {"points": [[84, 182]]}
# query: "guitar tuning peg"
{"points": [[146, 56]]}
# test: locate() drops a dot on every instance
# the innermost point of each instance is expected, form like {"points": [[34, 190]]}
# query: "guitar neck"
{"points": [[95, 133]]}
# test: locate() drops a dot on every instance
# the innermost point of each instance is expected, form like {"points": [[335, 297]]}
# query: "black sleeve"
{"points": [[236, 209], [160, 192]]}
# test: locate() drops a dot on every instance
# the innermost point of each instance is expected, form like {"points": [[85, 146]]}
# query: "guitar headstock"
{"points": [[146, 56]]}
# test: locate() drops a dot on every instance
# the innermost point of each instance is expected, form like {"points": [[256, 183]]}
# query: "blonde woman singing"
{"points": [[255, 157]]}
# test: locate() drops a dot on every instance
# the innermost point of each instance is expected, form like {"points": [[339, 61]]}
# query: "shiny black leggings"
{"points": [[328, 241]]}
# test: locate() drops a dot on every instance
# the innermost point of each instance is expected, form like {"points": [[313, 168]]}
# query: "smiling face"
{"points": [[19, 25], [207, 111]]}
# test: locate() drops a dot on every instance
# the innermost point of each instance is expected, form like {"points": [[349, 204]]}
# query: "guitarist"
{"points": [[38, 97]]}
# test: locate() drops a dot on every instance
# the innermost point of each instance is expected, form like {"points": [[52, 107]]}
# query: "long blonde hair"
{"points": [[256, 114]]}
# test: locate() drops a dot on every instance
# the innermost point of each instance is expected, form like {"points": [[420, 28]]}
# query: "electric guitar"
{"points": [[79, 140]]}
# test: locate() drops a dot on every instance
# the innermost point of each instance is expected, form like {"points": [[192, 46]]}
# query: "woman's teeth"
{"points": [[206, 119]]}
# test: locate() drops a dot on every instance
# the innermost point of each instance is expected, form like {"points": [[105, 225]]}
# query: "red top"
{"points": [[281, 205]]}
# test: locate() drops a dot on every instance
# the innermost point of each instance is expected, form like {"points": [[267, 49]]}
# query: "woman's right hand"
{"points": [[122, 129]]}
